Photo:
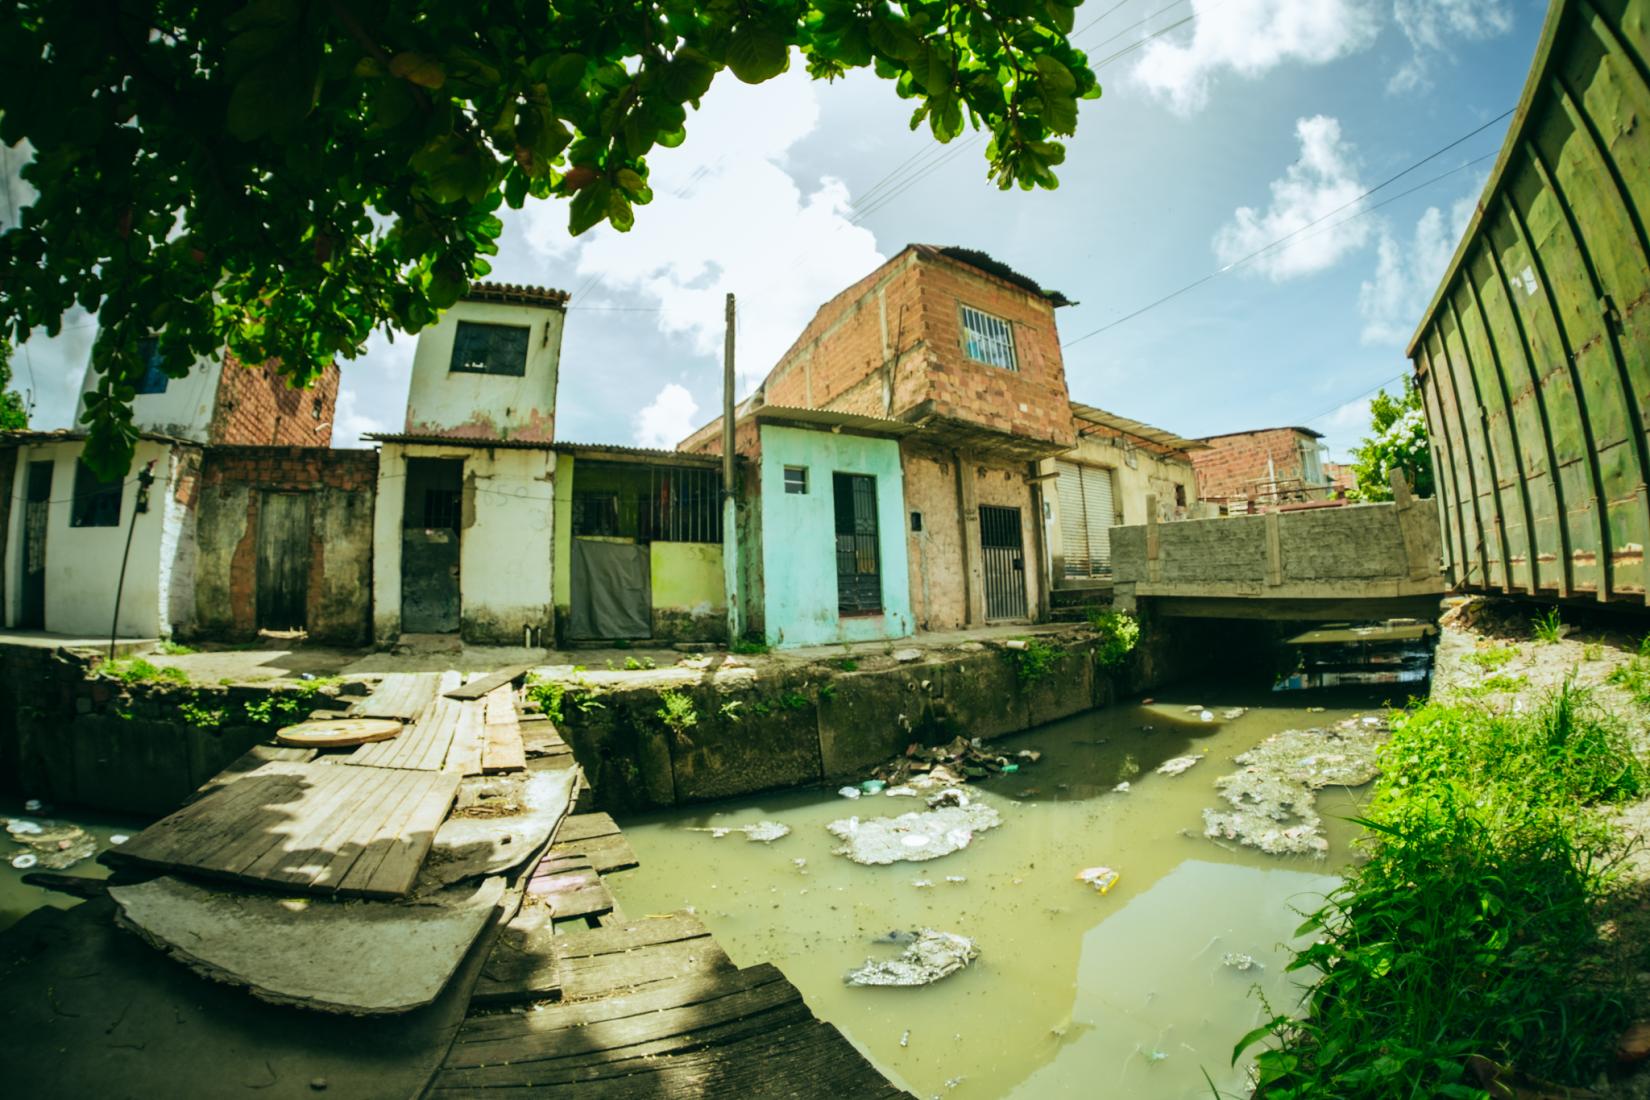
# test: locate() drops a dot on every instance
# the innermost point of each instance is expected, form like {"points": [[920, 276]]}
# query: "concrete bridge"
{"points": [[1360, 561]]}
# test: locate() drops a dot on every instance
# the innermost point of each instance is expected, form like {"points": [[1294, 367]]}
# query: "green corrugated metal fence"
{"points": [[1534, 356]]}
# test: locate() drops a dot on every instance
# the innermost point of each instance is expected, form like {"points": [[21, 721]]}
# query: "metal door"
{"points": [[858, 556], [430, 544], [1088, 512], [1005, 562], [283, 561], [32, 614]]}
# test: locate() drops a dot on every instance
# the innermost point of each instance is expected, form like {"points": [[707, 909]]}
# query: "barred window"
{"points": [[489, 349], [988, 339]]}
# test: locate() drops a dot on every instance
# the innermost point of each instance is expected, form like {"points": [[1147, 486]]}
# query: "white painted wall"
{"points": [[505, 548], [486, 406], [83, 563], [184, 410]]}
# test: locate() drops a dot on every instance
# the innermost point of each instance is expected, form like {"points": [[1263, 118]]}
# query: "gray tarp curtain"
{"points": [[612, 590]]}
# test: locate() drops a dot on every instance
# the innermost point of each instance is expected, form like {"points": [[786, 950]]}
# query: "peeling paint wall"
{"points": [[939, 597], [487, 406], [184, 410], [799, 538], [340, 485], [505, 538], [689, 591], [83, 563]]}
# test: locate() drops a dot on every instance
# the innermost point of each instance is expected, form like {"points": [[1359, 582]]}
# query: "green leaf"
{"points": [[894, 37], [589, 206], [688, 76], [418, 69], [565, 73], [272, 97], [757, 53]]}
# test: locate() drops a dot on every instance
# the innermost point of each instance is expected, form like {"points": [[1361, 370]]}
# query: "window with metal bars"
{"points": [[988, 339], [647, 503]]}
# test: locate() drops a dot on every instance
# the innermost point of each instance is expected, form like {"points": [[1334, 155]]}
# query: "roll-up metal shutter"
{"points": [[1101, 515], [1074, 530]]}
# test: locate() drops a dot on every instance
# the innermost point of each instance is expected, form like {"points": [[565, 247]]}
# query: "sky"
{"points": [[1225, 125]]}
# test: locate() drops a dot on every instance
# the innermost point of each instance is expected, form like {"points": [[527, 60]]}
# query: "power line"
{"points": [[1194, 284], [1381, 385]]}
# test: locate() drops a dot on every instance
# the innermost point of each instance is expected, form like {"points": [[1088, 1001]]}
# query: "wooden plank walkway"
{"points": [[597, 838], [464, 754], [421, 746], [629, 955], [501, 749], [310, 826], [570, 887], [402, 695], [479, 688]]}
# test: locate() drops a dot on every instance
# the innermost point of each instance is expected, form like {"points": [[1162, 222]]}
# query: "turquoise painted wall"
{"points": [[799, 538]]}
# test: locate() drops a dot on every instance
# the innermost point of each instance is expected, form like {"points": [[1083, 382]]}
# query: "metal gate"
{"points": [[1005, 562], [283, 561], [35, 511], [858, 559]]}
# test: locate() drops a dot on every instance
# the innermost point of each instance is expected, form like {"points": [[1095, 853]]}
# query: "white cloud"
{"points": [[668, 420], [1251, 38], [1324, 179], [726, 216], [1407, 273], [1345, 428], [372, 390], [1431, 25]]}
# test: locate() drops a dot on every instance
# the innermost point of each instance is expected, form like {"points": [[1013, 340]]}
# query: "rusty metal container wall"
{"points": [[1534, 357]]}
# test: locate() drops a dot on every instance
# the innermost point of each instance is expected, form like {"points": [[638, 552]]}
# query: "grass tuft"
{"points": [[1548, 628]]}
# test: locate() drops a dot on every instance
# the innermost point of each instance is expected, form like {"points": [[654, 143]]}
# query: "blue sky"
{"points": [[1211, 140]]}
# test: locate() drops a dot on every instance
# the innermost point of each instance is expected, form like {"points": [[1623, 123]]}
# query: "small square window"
{"points": [[489, 349], [96, 503], [796, 479], [988, 339], [154, 378]]}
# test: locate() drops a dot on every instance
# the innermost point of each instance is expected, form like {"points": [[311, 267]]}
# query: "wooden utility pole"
{"points": [[730, 503]]}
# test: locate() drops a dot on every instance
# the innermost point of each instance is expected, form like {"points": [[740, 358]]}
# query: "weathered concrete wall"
{"points": [[799, 538], [939, 584], [183, 411], [505, 537], [83, 563], [689, 591], [341, 485], [487, 406], [68, 735]]}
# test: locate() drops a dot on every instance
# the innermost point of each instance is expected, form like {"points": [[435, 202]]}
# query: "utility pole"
{"points": [[730, 504]]}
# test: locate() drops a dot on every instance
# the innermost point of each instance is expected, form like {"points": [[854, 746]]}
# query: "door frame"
{"points": [[1013, 554]]}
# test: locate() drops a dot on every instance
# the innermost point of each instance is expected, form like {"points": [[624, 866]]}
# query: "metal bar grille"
{"points": [[988, 339], [858, 555], [648, 503], [1003, 554]]}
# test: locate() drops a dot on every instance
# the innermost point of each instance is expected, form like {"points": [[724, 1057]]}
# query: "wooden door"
{"points": [[283, 561], [36, 508], [1003, 553]]}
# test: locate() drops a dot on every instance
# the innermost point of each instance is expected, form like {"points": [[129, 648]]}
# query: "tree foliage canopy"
{"points": [[1397, 440], [14, 414], [279, 177]]}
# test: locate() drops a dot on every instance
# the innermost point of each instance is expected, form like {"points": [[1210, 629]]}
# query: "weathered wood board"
{"points": [[597, 838], [625, 956], [313, 827], [522, 966], [482, 686], [571, 887], [422, 746], [402, 695], [250, 761], [469, 737], [501, 749]]}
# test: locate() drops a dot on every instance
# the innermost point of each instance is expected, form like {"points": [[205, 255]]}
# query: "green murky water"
{"points": [[17, 897], [1074, 993]]}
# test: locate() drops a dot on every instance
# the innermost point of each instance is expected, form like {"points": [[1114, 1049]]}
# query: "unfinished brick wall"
{"points": [[256, 407], [1236, 465], [341, 486]]}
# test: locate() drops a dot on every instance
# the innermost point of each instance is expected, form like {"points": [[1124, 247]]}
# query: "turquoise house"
{"points": [[823, 547]]}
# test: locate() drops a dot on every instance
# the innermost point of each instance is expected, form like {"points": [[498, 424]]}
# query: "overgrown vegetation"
{"points": [[746, 647], [847, 664], [1473, 929], [1119, 633], [676, 711], [553, 696], [135, 670], [176, 649], [1493, 657], [1548, 628], [1036, 661], [1633, 676], [1397, 440], [633, 664]]}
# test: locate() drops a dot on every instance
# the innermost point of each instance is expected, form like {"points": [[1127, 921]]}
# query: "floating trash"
{"points": [[932, 955], [1121, 788], [19, 826], [905, 1038], [872, 786], [849, 792], [118, 838], [1177, 765], [34, 806], [1101, 878], [24, 860], [921, 883], [1206, 716], [765, 832], [901, 792], [1232, 714], [1241, 962], [915, 836], [956, 878]]}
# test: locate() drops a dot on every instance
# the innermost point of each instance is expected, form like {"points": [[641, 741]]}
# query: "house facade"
{"points": [[1259, 470], [960, 354], [464, 517]]}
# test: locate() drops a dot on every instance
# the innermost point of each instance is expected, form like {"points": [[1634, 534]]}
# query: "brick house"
{"points": [[72, 541], [1259, 470], [953, 358]]}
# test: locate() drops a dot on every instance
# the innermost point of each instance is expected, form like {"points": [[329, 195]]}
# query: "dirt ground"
{"points": [[1488, 652]]}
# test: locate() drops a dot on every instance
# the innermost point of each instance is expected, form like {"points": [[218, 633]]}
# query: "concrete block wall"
{"points": [[256, 407], [342, 487]]}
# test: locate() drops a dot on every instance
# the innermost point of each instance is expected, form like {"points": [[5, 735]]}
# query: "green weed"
{"points": [[1494, 657], [794, 700], [730, 709], [1592, 653], [1119, 634], [632, 664], [201, 717], [847, 664], [1472, 929], [676, 711], [1633, 676], [176, 649], [1036, 661], [761, 708], [747, 647], [135, 670], [1548, 628], [827, 691], [548, 696]]}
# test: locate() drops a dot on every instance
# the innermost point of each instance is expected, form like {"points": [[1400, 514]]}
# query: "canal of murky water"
{"points": [[17, 898], [1074, 993]]}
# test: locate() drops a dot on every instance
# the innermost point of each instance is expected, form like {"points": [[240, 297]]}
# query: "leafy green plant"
{"points": [[547, 695], [731, 709], [827, 691], [1119, 633], [1036, 661], [1633, 676], [847, 664], [1500, 682], [261, 712], [746, 647], [761, 708], [1397, 440], [289, 707], [1548, 628], [201, 717], [1492, 657], [676, 711], [135, 670], [793, 700], [631, 664], [1472, 928], [1592, 652], [176, 649]]}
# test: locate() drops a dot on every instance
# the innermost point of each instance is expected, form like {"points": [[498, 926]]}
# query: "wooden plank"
{"points": [[479, 688], [399, 695], [604, 853], [424, 745], [586, 826], [209, 822], [249, 761], [501, 749], [522, 965], [396, 848], [464, 755], [603, 974], [571, 889], [335, 852], [292, 853]]}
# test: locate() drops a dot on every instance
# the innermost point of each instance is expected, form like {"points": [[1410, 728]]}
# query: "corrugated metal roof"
{"points": [[649, 454], [517, 294], [1256, 431], [460, 441], [22, 436], [831, 418], [1092, 415]]}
